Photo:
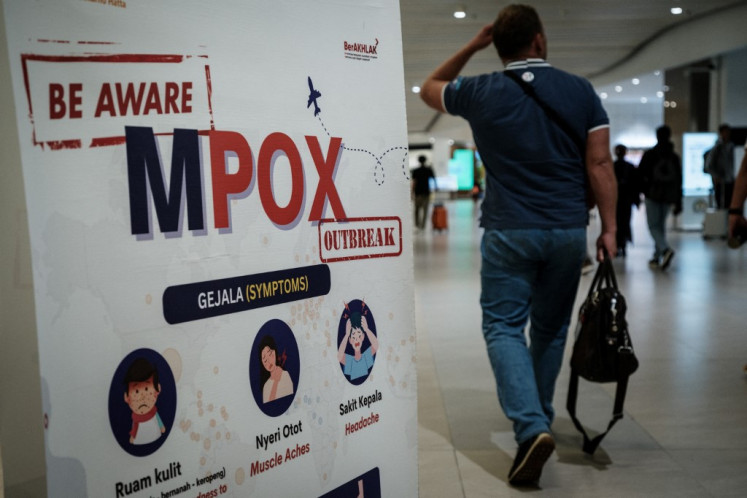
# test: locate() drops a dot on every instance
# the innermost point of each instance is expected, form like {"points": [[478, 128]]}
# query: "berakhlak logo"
{"points": [[361, 51]]}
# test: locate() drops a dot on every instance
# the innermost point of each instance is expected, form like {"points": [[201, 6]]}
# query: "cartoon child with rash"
{"points": [[141, 393], [356, 331]]}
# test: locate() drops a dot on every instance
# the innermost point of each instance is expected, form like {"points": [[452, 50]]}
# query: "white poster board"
{"points": [[218, 201]]}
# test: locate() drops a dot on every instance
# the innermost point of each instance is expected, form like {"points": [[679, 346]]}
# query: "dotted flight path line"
{"points": [[379, 179]]}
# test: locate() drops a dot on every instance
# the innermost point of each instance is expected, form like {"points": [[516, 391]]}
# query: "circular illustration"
{"points": [[357, 342], [274, 368], [142, 402]]}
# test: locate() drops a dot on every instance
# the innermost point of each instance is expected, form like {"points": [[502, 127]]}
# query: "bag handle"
{"points": [[605, 274], [612, 280], [590, 445]]}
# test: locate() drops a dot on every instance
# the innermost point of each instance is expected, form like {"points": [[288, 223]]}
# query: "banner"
{"points": [[218, 201]]}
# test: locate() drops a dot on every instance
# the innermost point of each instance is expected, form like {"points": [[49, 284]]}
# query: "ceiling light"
{"points": [[603, 95], [676, 10], [416, 89], [644, 100], [460, 12], [635, 81], [660, 94], [618, 89]]}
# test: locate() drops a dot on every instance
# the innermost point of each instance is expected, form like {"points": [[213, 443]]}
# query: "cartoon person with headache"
{"points": [[360, 362], [276, 382], [141, 393]]}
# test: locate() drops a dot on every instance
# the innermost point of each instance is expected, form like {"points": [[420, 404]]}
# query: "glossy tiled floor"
{"points": [[685, 427]]}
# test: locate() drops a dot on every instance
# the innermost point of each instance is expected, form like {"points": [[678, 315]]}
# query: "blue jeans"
{"points": [[656, 215], [529, 274]]}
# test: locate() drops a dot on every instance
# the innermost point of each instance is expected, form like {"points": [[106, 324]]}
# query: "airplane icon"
{"points": [[313, 95]]}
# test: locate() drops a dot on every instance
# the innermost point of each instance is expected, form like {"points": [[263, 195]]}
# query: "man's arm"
{"points": [[601, 172], [432, 87]]}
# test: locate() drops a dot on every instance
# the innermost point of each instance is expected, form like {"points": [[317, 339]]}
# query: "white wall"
{"points": [[21, 429], [634, 124]]}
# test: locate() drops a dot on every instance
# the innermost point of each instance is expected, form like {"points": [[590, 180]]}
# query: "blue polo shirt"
{"points": [[535, 172]]}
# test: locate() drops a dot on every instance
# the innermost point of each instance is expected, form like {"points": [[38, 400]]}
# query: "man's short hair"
{"points": [[514, 29], [663, 133]]}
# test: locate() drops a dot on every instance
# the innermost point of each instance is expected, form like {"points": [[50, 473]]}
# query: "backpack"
{"points": [[713, 162], [664, 184], [664, 171]]}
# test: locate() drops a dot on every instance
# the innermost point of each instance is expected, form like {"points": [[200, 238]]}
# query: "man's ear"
{"points": [[539, 45], [127, 398]]}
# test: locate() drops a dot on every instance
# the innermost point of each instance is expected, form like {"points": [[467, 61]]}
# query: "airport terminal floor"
{"points": [[684, 432]]}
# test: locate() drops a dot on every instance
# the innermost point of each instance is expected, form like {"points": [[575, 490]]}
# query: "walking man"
{"points": [[421, 189], [534, 212], [661, 177]]}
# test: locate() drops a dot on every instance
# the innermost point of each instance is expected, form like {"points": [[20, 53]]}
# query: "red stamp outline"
{"points": [[119, 58], [370, 256]]}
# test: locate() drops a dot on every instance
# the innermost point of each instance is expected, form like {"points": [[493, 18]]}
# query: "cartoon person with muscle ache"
{"points": [[357, 330], [141, 393], [276, 382]]}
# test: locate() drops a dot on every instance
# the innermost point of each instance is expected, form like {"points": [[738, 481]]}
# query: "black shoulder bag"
{"points": [[562, 124], [551, 113], [602, 351]]}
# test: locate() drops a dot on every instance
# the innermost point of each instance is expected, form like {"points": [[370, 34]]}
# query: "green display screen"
{"points": [[462, 166]]}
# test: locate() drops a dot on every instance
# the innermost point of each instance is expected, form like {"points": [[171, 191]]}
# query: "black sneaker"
{"points": [[653, 264], [666, 258], [530, 459]]}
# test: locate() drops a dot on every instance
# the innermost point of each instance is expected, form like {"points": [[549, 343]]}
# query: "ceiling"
{"points": [[585, 37]]}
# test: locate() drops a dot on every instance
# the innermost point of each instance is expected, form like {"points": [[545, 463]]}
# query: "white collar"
{"points": [[527, 63]]}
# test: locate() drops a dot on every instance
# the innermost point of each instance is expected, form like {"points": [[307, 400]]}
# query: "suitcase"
{"points": [[715, 224], [439, 217]]}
